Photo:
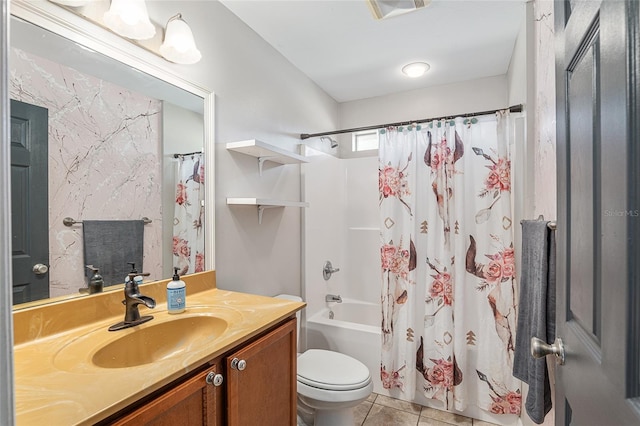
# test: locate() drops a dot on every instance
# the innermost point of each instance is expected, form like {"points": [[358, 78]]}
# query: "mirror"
{"points": [[112, 133]]}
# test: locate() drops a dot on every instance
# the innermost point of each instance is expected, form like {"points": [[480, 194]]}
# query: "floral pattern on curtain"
{"points": [[188, 222], [448, 271]]}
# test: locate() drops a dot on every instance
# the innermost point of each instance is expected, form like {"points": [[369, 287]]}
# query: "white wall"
{"points": [[259, 95], [450, 99]]}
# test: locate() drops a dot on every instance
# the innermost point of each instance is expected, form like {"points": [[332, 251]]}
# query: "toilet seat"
{"points": [[332, 371]]}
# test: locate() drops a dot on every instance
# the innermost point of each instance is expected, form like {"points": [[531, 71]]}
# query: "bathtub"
{"points": [[354, 331]]}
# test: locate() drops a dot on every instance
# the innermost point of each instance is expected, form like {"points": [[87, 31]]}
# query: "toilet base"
{"points": [[308, 416], [341, 417]]}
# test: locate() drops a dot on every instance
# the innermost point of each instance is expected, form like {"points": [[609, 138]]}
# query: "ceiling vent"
{"points": [[382, 9]]}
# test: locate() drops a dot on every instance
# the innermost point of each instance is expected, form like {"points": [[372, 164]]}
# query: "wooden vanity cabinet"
{"points": [[264, 392], [195, 401], [259, 388]]}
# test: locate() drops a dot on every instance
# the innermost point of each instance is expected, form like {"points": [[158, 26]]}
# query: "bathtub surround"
{"points": [[447, 252], [104, 168]]}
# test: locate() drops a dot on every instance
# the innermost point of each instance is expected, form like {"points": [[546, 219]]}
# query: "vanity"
{"points": [[230, 358]]}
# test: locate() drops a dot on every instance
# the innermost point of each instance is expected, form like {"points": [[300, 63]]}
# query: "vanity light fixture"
{"points": [[129, 18], [415, 69], [179, 46], [382, 9]]}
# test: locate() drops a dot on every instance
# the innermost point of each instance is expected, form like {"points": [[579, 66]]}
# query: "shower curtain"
{"points": [[448, 291], [188, 222]]}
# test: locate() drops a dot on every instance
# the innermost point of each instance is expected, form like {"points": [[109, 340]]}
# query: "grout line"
{"points": [[420, 416]]}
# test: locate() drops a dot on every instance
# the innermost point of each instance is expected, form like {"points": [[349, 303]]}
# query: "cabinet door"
{"points": [[194, 402], [264, 392]]}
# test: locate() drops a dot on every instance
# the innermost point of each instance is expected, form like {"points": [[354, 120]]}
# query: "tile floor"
{"points": [[380, 410]]}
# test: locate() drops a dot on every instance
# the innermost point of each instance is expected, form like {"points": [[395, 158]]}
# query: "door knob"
{"points": [[214, 379], [238, 364], [540, 348], [40, 269]]}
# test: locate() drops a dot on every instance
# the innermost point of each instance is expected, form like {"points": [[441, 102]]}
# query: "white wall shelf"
{"points": [[264, 203], [266, 152]]}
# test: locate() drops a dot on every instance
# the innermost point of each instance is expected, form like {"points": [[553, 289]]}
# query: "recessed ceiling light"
{"points": [[415, 69]]}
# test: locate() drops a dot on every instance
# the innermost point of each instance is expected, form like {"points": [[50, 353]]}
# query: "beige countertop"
{"points": [[57, 384]]}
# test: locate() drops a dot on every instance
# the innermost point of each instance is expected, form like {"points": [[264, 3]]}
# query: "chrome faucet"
{"points": [[133, 298], [333, 298]]}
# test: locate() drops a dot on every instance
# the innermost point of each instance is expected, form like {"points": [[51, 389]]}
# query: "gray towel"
{"points": [[110, 244], [536, 314]]}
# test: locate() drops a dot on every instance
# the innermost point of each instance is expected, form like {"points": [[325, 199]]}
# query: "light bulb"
{"points": [[415, 69]]}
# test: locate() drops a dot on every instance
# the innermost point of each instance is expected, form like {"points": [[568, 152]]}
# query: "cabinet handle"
{"points": [[238, 364], [214, 379]]}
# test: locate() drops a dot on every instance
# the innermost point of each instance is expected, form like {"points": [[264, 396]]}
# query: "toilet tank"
{"points": [[295, 299]]}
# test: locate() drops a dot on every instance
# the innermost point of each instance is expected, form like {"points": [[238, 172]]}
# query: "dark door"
{"points": [[598, 303], [29, 202]]}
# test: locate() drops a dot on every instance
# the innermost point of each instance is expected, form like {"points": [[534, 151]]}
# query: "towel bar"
{"points": [[69, 221], [551, 225]]}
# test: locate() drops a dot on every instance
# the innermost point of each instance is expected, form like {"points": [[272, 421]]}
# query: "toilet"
{"points": [[330, 384]]}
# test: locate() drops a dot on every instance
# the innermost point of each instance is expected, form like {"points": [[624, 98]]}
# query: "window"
{"points": [[364, 141]]}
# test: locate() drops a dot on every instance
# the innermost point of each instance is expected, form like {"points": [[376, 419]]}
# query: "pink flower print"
{"points": [[499, 177], [508, 404], [392, 183], [441, 374], [199, 262], [497, 408], [493, 272], [442, 287], [508, 270], [387, 181], [509, 255], [441, 155], [181, 247], [201, 173], [504, 168], [493, 179], [508, 263], [387, 252], [394, 259], [391, 380], [181, 194], [435, 160]]}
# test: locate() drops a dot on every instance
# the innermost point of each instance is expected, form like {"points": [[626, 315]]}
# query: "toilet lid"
{"points": [[331, 370]]}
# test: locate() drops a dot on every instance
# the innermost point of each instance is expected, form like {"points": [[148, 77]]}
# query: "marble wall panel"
{"points": [[104, 160]]}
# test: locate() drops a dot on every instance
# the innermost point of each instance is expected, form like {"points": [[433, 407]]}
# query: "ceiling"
{"points": [[350, 55]]}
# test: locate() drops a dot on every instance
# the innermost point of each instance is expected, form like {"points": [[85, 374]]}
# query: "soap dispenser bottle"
{"points": [[176, 294], [96, 283]]}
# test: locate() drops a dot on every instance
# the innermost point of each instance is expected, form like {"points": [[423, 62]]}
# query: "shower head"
{"points": [[333, 142]]}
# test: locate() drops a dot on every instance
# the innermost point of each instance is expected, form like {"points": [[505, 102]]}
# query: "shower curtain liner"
{"points": [[448, 270], [188, 222]]}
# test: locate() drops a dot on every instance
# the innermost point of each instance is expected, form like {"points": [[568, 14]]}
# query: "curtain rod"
{"points": [[188, 153], [515, 108]]}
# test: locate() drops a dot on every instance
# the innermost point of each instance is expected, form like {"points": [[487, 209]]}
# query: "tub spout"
{"points": [[333, 298]]}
